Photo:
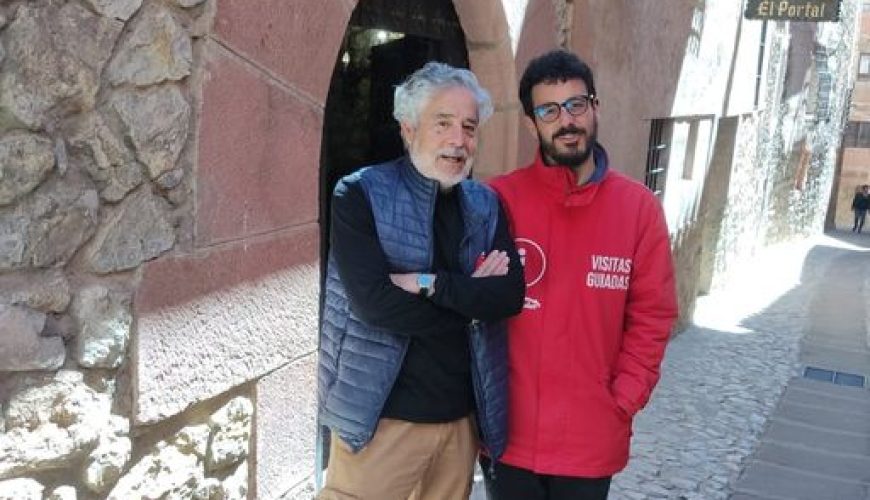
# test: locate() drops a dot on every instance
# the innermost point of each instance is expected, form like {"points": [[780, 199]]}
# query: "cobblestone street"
{"points": [[723, 377]]}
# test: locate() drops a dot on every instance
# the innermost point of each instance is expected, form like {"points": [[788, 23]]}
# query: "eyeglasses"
{"points": [[575, 106]]}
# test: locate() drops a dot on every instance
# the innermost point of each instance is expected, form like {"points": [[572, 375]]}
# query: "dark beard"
{"points": [[570, 160]]}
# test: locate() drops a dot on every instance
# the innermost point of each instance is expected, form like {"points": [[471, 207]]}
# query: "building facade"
{"points": [[854, 166]]}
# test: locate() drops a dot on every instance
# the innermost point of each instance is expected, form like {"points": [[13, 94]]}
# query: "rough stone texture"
{"points": [[64, 216], [209, 322], [52, 426], [231, 433], [49, 226], [22, 348], [13, 240], [21, 489], [45, 292], [102, 154], [188, 3], [25, 161], [63, 493], [285, 426], [235, 487], [54, 58], [193, 439], [209, 489], [166, 471], [119, 9], [157, 121], [105, 464], [158, 49], [104, 320], [171, 179], [136, 232]]}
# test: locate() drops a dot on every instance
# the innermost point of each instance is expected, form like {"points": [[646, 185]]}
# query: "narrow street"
{"points": [[734, 416]]}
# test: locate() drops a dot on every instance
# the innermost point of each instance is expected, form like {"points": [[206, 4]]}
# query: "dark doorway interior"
{"points": [[386, 40]]}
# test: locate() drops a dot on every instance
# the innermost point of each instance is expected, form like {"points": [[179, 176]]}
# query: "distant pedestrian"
{"points": [[584, 354], [860, 204]]}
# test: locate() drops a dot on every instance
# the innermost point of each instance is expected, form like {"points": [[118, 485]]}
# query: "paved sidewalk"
{"points": [[727, 418], [817, 443]]}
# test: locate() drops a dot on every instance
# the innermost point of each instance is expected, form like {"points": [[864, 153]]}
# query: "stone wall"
{"points": [[785, 153], [97, 110], [809, 132]]}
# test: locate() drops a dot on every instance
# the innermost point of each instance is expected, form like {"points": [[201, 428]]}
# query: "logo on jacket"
{"points": [[611, 273], [534, 266]]}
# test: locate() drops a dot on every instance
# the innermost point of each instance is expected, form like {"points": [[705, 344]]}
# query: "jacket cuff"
{"points": [[628, 394]]}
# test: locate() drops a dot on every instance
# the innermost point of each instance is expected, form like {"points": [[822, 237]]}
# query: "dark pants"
{"points": [[859, 219], [505, 482]]}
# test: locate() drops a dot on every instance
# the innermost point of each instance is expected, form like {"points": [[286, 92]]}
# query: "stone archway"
{"points": [[491, 58]]}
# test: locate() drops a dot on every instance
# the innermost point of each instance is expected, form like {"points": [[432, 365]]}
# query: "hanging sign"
{"points": [[793, 10]]}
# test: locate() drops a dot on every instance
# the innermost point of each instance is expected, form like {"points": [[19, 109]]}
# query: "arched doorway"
{"points": [[385, 41]]}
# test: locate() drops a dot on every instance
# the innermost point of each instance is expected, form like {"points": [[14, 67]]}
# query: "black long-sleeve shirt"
{"points": [[434, 384]]}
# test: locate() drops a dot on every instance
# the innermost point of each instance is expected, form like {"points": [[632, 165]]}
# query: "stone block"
{"points": [[45, 292], [210, 321], [483, 21], [286, 412], [135, 232], [25, 160], [54, 55], [494, 68], [157, 121], [103, 155], [231, 434], [261, 174], [21, 489], [770, 480], [265, 35], [158, 49], [103, 318], [119, 9], [817, 438], [538, 34], [22, 348], [496, 153], [814, 462]]}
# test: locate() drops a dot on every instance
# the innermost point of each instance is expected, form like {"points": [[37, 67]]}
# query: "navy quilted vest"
{"points": [[358, 363]]}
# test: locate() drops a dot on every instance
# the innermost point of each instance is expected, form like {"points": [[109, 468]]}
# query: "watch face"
{"points": [[425, 280]]}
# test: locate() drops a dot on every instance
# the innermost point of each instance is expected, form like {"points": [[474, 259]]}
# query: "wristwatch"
{"points": [[425, 282]]}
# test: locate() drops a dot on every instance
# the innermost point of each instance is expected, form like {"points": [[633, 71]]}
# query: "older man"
{"points": [[412, 366]]}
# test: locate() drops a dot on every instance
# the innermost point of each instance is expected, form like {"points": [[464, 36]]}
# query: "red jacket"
{"points": [[601, 302]]}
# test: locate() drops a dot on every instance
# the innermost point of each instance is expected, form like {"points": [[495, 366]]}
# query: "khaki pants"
{"points": [[405, 461]]}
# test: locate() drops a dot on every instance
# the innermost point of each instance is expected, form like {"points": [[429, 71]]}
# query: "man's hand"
{"points": [[495, 264], [406, 281]]}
